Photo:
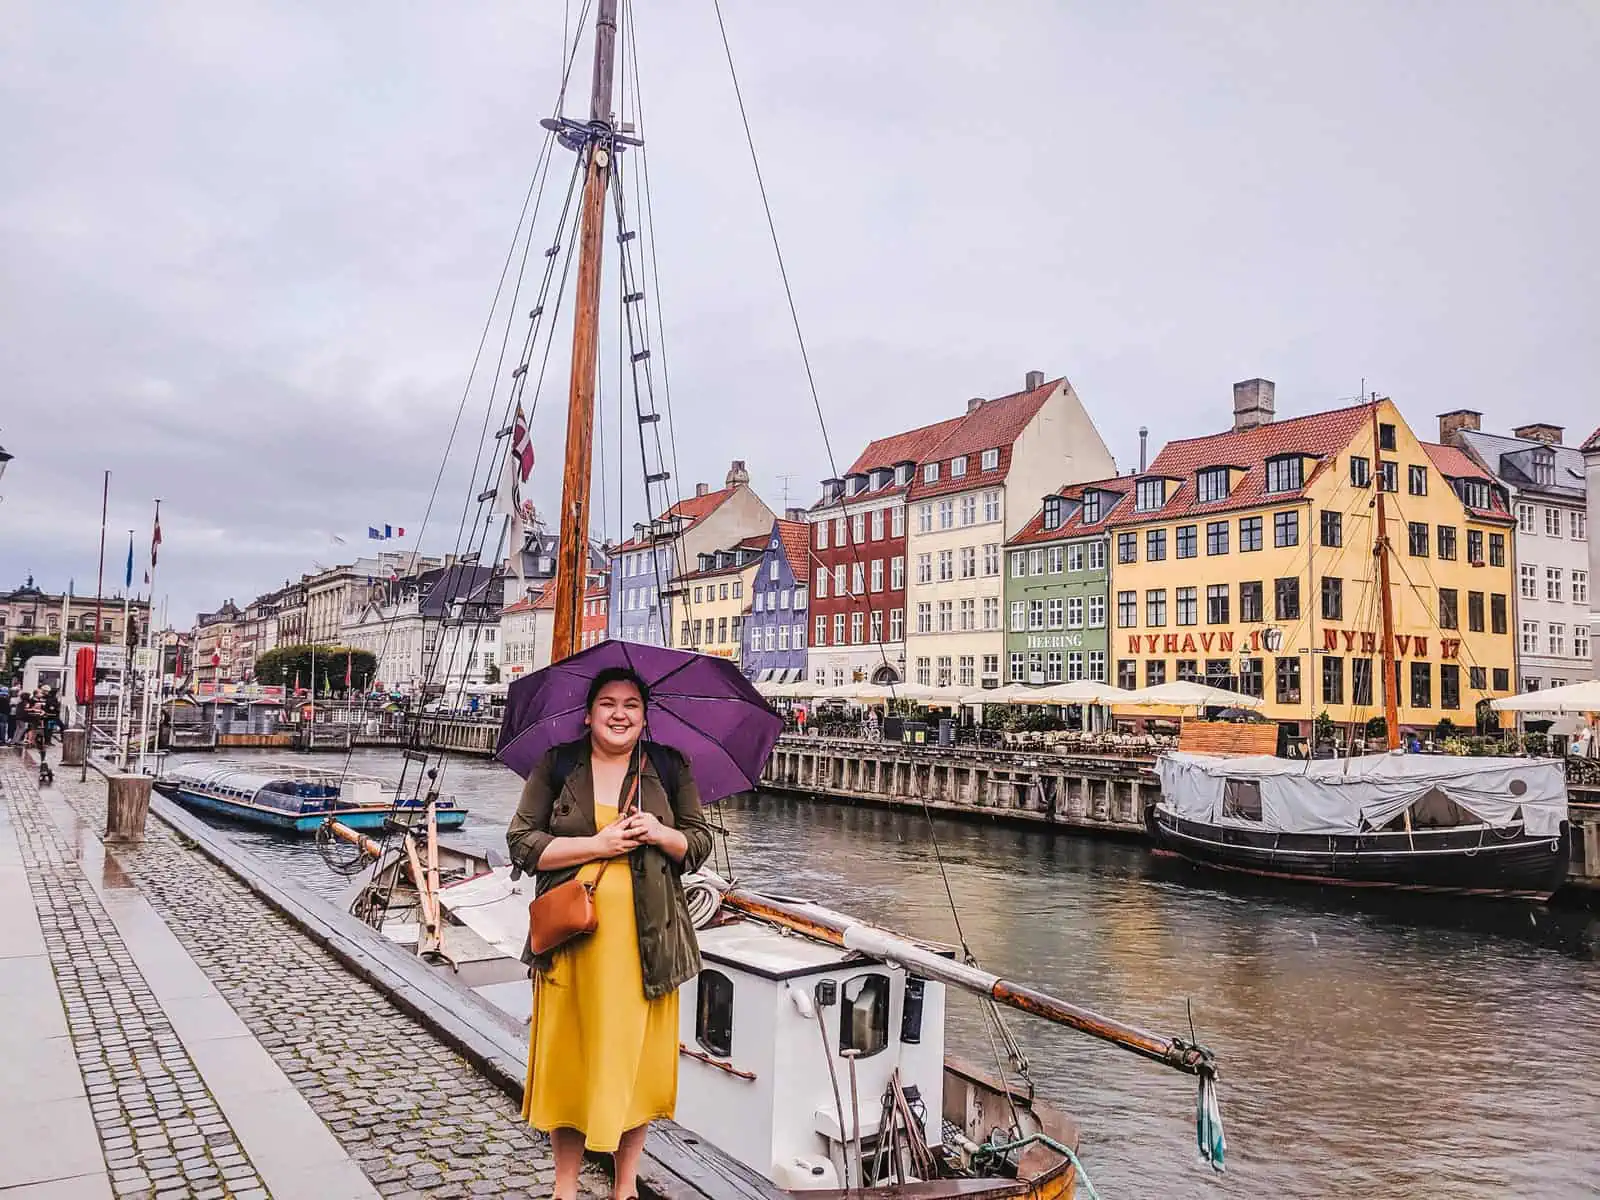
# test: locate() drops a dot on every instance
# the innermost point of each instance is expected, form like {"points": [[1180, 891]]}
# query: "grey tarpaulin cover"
{"points": [[1346, 796]]}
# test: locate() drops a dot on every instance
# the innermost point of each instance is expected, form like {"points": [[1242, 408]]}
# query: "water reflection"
{"points": [[1364, 1052]]}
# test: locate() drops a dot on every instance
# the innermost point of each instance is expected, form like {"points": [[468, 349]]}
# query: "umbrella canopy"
{"points": [[1572, 698], [1187, 693], [1012, 693], [700, 706], [1083, 691]]}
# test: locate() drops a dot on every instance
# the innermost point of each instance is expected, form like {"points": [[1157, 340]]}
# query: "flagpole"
{"points": [[127, 652], [146, 699], [94, 653]]}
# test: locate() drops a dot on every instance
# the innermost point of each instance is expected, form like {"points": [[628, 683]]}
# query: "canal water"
{"points": [[1372, 1052]]}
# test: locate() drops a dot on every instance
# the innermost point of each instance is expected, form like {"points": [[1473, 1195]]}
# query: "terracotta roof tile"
{"points": [[1454, 463], [795, 537], [909, 446], [1592, 442], [993, 425], [1120, 487], [695, 508]]}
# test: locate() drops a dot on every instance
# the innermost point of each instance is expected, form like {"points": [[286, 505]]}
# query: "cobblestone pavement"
{"points": [[419, 1118], [160, 1129]]}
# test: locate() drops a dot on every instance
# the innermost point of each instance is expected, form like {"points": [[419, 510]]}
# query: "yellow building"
{"points": [[715, 599], [1246, 561]]}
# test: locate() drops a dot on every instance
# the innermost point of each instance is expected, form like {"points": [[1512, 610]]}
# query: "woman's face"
{"points": [[616, 719]]}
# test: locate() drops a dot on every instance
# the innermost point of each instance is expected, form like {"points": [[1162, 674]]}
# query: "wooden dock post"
{"points": [[73, 744], [127, 807]]}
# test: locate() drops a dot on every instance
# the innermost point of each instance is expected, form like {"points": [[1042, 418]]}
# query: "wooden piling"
{"points": [[127, 807]]}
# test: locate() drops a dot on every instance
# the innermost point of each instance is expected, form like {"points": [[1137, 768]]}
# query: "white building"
{"points": [[1548, 493], [432, 633], [1591, 460]]}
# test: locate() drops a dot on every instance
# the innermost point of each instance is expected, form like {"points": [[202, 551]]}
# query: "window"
{"points": [[897, 523], [1580, 642], [1035, 562], [1385, 437], [875, 627], [1478, 678], [1417, 480], [1360, 471], [1475, 612], [1421, 685], [1075, 556], [897, 624], [1127, 547], [924, 673], [1054, 560], [1250, 602], [1150, 495], [1019, 616], [942, 671], [991, 614], [1449, 612], [968, 616], [877, 524], [1283, 473], [1557, 638], [991, 667], [969, 510], [1361, 682], [1502, 679], [1127, 674], [713, 1022], [1187, 541], [839, 527], [1552, 583], [1155, 671], [864, 1013], [1552, 522], [1332, 598], [1332, 679], [991, 558], [1286, 529], [1035, 614], [1018, 671], [1074, 612], [989, 460], [991, 507], [1217, 604], [965, 674], [925, 568], [1580, 587], [697, 592], [1188, 608], [925, 616], [1249, 533], [1449, 685], [958, 466], [1332, 528], [1091, 507], [1216, 537], [1052, 667], [1389, 476], [783, 635], [1155, 607], [855, 628], [897, 575], [1579, 525], [1497, 613], [1417, 538], [1054, 613], [1497, 549], [947, 514], [1127, 610], [924, 518], [930, 472], [1286, 599], [1287, 671], [1055, 512], [838, 629], [822, 583], [1097, 665], [1155, 545], [838, 579], [858, 578], [1211, 484], [1097, 555], [822, 535], [858, 528], [877, 574], [1446, 542], [1019, 564], [1525, 518], [947, 618], [969, 562]]}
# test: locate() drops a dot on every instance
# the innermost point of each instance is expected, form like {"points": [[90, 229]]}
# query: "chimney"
{"points": [[1033, 379], [737, 475], [700, 489], [1252, 404], [1457, 419], [794, 514], [1144, 439], [974, 404], [1539, 431]]}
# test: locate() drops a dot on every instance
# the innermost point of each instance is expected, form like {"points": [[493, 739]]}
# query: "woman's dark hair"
{"points": [[616, 675]]}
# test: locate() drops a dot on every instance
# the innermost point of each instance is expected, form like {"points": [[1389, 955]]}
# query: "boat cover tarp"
{"points": [[1347, 796]]}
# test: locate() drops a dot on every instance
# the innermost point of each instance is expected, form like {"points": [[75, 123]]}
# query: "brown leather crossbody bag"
{"points": [[567, 911]]}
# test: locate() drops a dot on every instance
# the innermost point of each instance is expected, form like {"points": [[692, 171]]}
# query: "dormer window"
{"points": [[958, 466], [990, 460], [1091, 507], [1474, 493], [1544, 467], [902, 474], [930, 472], [1152, 495], [1055, 512], [1211, 484], [1284, 473]]}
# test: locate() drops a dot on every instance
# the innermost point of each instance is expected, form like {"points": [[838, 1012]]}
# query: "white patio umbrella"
{"points": [[1011, 693], [1188, 693], [1083, 691], [1570, 698]]}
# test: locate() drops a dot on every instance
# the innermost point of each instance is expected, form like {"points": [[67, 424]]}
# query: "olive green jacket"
{"points": [[668, 952]]}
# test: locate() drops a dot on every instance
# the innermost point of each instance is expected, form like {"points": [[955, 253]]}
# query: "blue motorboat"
{"points": [[297, 799]]}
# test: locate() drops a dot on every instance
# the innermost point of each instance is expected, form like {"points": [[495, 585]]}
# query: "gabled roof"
{"points": [[693, 510], [794, 539], [993, 425], [1321, 435], [909, 446], [1454, 463], [1117, 489], [1592, 442], [1512, 460]]}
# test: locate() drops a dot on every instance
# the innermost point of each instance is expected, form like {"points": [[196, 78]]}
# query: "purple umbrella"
{"points": [[700, 706]]}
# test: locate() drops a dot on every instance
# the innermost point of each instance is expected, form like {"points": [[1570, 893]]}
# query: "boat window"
{"points": [[864, 1016], [911, 1010], [1242, 798], [713, 1021]]}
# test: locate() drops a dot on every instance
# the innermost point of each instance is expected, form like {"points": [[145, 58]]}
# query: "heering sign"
{"points": [[1347, 641], [1055, 641]]}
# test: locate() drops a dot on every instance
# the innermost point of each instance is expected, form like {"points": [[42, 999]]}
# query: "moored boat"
{"points": [[295, 799]]}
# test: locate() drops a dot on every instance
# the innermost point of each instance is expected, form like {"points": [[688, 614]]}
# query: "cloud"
{"points": [[249, 248]]}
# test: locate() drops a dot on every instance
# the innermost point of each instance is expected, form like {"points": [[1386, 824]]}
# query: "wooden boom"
{"points": [[839, 930]]}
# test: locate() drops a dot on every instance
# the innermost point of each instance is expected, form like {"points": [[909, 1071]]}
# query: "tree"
{"points": [[25, 647], [281, 667]]}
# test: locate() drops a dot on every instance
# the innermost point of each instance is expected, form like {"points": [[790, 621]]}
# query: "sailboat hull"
{"points": [[1471, 861]]}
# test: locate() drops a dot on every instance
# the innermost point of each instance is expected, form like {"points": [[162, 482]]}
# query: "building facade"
{"points": [[1024, 446], [1057, 587], [29, 611], [647, 594], [527, 630], [431, 633], [1245, 560], [1548, 495], [716, 600], [216, 645], [1591, 466], [776, 628], [335, 595]]}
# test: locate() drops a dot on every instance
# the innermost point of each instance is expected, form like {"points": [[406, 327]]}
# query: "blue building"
{"points": [[775, 628]]}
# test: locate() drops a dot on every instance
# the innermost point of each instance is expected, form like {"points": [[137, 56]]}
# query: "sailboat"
{"points": [[813, 1046], [1490, 827]]}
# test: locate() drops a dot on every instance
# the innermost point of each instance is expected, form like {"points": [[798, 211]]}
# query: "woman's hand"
{"points": [[649, 831], [616, 839]]}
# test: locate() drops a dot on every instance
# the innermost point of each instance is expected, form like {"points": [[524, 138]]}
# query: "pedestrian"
{"points": [[52, 714], [5, 714], [603, 1047]]}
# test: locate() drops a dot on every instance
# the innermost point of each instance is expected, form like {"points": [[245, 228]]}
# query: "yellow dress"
{"points": [[602, 1059]]}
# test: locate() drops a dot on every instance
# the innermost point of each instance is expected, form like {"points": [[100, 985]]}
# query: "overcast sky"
{"points": [[249, 248]]}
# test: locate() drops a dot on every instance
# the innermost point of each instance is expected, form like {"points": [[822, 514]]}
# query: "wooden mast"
{"points": [[572, 552], [1380, 551]]}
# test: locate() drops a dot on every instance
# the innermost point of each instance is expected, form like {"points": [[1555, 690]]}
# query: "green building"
{"points": [[1058, 587]]}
